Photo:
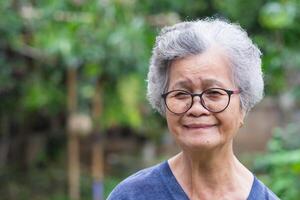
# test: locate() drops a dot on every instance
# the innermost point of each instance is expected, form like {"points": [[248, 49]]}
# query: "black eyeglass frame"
{"points": [[229, 93]]}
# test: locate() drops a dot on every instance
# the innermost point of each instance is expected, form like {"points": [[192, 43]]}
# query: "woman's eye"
{"points": [[180, 95], [214, 93]]}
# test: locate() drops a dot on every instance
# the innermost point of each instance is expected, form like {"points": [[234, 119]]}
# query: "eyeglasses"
{"points": [[214, 100]]}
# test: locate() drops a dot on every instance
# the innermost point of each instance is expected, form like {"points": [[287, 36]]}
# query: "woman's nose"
{"points": [[197, 108]]}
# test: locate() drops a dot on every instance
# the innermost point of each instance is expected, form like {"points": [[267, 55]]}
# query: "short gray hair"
{"points": [[192, 38]]}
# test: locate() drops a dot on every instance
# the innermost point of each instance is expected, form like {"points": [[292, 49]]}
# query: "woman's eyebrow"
{"points": [[205, 83], [182, 84], [210, 82]]}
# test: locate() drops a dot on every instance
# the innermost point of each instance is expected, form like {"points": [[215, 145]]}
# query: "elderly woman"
{"points": [[204, 77]]}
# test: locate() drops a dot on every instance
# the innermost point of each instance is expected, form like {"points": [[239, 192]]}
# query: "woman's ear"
{"points": [[241, 124], [243, 114]]}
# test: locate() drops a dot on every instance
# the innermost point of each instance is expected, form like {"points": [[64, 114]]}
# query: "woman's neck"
{"points": [[211, 174]]}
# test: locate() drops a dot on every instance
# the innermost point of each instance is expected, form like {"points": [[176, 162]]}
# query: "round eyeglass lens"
{"points": [[215, 100], [178, 101]]}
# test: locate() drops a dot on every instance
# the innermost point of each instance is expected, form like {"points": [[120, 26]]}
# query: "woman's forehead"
{"points": [[210, 68]]}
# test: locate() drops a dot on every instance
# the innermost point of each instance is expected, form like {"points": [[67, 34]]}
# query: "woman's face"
{"points": [[199, 128]]}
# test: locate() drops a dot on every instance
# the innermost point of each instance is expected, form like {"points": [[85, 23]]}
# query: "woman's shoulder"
{"points": [[137, 184], [260, 191]]}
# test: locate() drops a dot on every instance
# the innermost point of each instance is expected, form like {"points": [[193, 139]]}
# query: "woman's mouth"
{"points": [[199, 126]]}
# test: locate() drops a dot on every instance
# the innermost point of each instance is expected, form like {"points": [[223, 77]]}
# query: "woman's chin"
{"points": [[199, 143]]}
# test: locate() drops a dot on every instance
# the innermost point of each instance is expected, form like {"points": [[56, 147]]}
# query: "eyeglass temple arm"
{"points": [[236, 91]]}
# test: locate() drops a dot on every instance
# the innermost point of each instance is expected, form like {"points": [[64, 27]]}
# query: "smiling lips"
{"points": [[198, 126]]}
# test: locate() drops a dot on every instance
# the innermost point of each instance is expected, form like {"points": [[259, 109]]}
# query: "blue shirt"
{"points": [[158, 182]]}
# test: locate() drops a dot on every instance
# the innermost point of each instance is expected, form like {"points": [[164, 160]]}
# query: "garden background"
{"points": [[74, 119]]}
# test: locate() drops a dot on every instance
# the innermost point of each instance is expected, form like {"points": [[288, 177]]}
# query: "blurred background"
{"points": [[74, 120]]}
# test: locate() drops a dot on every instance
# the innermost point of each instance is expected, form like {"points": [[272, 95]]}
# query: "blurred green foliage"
{"points": [[111, 41], [281, 164], [38, 184]]}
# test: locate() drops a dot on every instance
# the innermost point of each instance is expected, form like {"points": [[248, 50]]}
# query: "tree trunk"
{"points": [[97, 146], [73, 140], [74, 167], [4, 140]]}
